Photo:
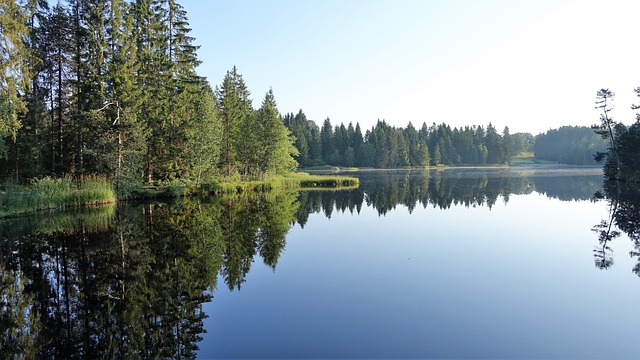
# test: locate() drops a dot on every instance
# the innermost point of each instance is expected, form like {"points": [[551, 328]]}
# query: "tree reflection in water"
{"points": [[624, 216], [129, 282], [384, 191]]}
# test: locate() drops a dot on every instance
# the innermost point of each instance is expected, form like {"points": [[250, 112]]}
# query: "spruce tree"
{"points": [[275, 143], [127, 133], [24, 158], [14, 65], [203, 138], [57, 78], [234, 104]]}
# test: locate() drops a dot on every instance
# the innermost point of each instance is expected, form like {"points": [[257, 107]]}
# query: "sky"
{"points": [[529, 65]]}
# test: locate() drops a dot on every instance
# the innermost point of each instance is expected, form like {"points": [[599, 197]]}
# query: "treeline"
{"points": [[569, 145], [110, 87], [386, 146]]}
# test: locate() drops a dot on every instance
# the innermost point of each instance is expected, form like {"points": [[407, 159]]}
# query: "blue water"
{"points": [[514, 280]]}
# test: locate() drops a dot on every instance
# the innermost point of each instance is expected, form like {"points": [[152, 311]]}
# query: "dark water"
{"points": [[453, 264]]}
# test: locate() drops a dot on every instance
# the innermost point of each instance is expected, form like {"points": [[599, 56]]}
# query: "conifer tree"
{"points": [[203, 138], [14, 65], [151, 78], [275, 144], [235, 105], [24, 158], [326, 135], [127, 133], [57, 79]]}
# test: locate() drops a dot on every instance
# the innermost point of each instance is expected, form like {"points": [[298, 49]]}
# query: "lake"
{"points": [[460, 263]]}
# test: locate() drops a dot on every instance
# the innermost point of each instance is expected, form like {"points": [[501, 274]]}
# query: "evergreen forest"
{"points": [[110, 88]]}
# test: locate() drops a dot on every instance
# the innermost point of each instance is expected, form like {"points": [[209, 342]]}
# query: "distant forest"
{"points": [[569, 145], [109, 87], [386, 146]]}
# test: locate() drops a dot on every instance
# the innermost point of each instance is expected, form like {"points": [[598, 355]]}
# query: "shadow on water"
{"points": [[129, 282]]}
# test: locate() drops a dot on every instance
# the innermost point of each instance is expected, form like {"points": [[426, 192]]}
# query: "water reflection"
{"points": [[129, 282], [624, 216], [384, 191]]}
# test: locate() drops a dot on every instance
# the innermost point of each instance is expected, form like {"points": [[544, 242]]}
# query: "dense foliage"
{"points": [[569, 145], [386, 146], [622, 155], [110, 87]]}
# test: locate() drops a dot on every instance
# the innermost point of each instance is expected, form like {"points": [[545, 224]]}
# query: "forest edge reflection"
{"points": [[130, 281], [623, 200]]}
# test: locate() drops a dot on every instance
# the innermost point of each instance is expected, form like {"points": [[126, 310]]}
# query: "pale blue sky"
{"points": [[529, 65]]}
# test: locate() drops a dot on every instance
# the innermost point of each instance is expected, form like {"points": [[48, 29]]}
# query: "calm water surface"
{"points": [[453, 264]]}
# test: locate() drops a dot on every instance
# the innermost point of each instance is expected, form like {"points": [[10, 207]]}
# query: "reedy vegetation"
{"points": [[48, 193]]}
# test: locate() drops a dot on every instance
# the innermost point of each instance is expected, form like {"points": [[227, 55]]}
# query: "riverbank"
{"points": [[293, 181], [60, 194], [48, 193]]}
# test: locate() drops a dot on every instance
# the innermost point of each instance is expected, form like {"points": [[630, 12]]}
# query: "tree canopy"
{"points": [[622, 156], [110, 87]]}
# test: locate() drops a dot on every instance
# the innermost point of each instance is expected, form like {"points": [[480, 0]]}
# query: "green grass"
{"points": [[298, 180], [294, 181], [48, 193], [325, 181]]}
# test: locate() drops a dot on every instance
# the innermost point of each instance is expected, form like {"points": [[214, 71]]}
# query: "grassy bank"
{"points": [[48, 193], [66, 193], [293, 181]]}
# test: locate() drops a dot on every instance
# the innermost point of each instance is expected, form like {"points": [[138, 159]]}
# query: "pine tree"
{"points": [[57, 78], [327, 139], [507, 144], [606, 130], [494, 144], [152, 68], [24, 158], [127, 134], [234, 105], [183, 85], [204, 135], [275, 143], [14, 65], [298, 125]]}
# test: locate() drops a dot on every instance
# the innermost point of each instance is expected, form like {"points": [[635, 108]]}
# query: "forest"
{"points": [[386, 146], [575, 145], [110, 88]]}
